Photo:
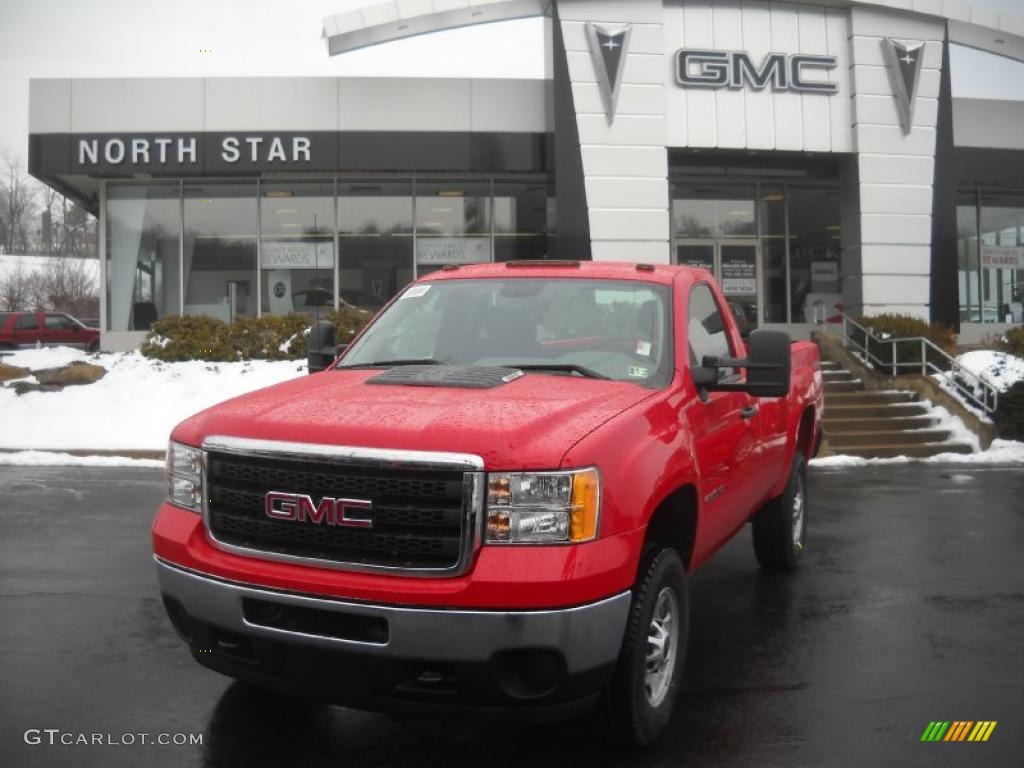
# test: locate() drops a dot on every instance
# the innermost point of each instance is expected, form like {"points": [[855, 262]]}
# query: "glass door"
{"points": [[734, 265], [737, 274]]}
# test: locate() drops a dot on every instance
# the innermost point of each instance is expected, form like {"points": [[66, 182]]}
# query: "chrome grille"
{"points": [[425, 515]]}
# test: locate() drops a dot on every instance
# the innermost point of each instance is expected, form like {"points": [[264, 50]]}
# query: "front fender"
{"points": [[644, 454]]}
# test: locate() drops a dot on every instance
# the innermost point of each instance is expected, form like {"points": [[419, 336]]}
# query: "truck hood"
{"points": [[528, 423]]}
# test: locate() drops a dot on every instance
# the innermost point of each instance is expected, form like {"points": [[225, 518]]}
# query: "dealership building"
{"points": [[818, 157]]}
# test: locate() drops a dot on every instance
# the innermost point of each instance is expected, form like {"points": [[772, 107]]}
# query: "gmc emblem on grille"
{"points": [[329, 511]]}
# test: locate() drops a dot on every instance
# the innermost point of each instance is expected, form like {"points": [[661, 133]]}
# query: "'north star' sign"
{"points": [[161, 150], [174, 153], [701, 68]]}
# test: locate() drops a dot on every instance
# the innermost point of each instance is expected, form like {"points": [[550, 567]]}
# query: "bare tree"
{"points": [[16, 290], [67, 284], [17, 204]]}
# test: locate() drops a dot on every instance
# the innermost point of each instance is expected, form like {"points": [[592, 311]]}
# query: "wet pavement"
{"points": [[909, 608]]}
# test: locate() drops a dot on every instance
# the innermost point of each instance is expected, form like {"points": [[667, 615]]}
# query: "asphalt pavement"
{"points": [[909, 609]]}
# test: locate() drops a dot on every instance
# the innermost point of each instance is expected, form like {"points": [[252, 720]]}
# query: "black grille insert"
{"points": [[417, 514], [313, 621]]}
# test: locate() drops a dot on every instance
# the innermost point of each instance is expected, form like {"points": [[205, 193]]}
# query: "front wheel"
{"points": [[780, 527], [643, 689]]}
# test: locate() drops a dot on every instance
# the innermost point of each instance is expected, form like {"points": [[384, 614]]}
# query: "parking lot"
{"points": [[909, 609]]}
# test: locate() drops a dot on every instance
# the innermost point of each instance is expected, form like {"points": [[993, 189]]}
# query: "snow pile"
{"points": [[56, 459], [958, 431], [133, 407], [999, 369], [996, 369], [1000, 452]]}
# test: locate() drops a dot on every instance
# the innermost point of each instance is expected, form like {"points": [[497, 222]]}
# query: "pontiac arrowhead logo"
{"points": [[608, 47], [904, 73]]}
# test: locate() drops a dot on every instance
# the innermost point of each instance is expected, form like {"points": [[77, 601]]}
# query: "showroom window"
{"points": [[220, 250], [522, 211], [375, 241], [143, 240], [814, 253], [772, 199], [453, 223], [296, 247], [990, 256], [281, 246]]}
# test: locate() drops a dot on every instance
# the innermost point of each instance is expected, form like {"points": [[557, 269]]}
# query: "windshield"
{"points": [[614, 329]]}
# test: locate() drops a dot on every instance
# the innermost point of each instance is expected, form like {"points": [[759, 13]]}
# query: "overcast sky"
{"points": [[154, 38]]}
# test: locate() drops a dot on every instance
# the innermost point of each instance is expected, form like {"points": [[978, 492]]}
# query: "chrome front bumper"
{"points": [[587, 636]]}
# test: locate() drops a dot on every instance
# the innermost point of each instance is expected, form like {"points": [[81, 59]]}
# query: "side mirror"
{"points": [[767, 364], [322, 348]]}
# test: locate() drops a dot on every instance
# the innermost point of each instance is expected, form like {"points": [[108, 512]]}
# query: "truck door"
{"points": [[723, 425]]}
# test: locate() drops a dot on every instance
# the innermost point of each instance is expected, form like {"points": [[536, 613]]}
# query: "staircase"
{"points": [[879, 423]]}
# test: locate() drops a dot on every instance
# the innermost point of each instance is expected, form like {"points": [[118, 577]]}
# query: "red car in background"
{"points": [[19, 330]]}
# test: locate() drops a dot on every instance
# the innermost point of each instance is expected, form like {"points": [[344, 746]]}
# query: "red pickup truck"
{"points": [[491, 501]]}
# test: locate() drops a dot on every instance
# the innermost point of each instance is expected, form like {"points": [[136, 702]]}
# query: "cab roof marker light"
{"points": [[541, 263], [644, 267]]}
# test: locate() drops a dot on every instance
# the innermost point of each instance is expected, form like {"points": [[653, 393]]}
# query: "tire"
{"points": [[93, 348], [780, 526], [640, 701]]}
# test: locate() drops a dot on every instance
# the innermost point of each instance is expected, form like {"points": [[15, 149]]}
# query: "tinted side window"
{"points": [[27, 322], [706, 328], [3, 319], [58, 323]]}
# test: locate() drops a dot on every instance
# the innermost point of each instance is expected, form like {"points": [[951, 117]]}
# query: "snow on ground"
{"points": [[58, 459], [1000, 452], [133, 407], [139, 401]]}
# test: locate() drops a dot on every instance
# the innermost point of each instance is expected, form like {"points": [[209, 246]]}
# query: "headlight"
{"points": [[543, 507], [185, 476]]}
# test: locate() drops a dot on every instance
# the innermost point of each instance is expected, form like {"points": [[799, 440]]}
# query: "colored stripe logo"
{"points": [[958, 730]]}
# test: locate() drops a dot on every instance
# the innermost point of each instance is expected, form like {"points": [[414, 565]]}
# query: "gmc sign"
{"points": [[735, 70], [299, 508]]}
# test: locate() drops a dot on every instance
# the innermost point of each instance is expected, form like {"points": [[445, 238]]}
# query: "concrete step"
{"points": [[828, 365], [890, 410], [836, 373], [868, 397], [840, 441], [838, 426], [853, 385], [911, 450]]}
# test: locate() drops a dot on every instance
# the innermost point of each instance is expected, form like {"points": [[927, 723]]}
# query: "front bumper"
{"points": [[387, 657]]}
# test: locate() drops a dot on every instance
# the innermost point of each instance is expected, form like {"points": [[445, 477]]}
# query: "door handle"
{"points": [[749, 412]]}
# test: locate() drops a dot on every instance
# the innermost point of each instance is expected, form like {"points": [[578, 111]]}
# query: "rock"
{"points": [[21, 387], [78, 372], [8, 372]]}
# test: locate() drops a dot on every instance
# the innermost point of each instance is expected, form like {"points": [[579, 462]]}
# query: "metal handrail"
{"points": [[983, 394]]}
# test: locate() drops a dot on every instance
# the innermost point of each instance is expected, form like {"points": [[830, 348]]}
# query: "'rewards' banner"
{"points": [[1002, 256]]}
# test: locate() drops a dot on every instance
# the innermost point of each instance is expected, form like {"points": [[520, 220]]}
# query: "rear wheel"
{"points": [[93, 347], [780, 527], [643, 690]]}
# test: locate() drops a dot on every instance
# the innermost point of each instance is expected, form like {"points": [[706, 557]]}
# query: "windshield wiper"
{"points": [[394, 363], [582, 370]]}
